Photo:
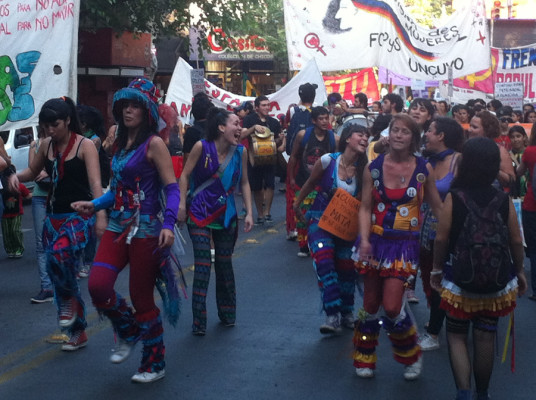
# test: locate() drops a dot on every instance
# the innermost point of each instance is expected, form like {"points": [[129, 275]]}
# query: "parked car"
{"points": [[17, 144]]}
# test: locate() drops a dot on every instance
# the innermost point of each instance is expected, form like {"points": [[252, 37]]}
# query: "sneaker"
{"points": [[347, 320], [412, 372], [304, 252], [364, 372], [412, 298], [44, 296], [77, 341], [148, 377], [18, 254], [68, 312], [428, 342], [268, 219], [332, 325], [292, 236], [84, 271], [260, 221], [212, 256], [10, 255], [121, 351]]}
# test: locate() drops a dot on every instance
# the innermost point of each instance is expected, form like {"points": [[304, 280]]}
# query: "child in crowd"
{"points": [[12, 221]]}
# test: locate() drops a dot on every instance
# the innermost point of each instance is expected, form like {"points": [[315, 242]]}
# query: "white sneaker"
{"points": [[428, 342], [293, 235], [412, 298], [332, 325], [347, 320], [364, 372], [412, 372], [121, 351], [148, 377]]}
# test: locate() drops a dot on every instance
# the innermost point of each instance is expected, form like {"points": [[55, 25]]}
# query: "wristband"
{"points": [[173, 198], [435, 273], [103, 202]]}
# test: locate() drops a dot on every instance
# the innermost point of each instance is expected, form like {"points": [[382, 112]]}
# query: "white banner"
{"points": [[346, 34], [38, 53], [180, 91]]}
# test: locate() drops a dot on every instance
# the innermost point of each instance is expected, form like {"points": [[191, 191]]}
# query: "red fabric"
{"points": [[177, 165], [112, 257], [529, 159]]}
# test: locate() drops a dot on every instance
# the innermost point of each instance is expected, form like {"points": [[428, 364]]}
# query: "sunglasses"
{"points": [[506, 119]]}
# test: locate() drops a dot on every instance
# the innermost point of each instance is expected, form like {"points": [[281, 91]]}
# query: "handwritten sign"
{"points": [[198, 80], [39, 41], [510, 94], [340, 216]]}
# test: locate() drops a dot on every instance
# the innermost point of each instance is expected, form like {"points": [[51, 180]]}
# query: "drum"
{"points": [[263, 149]]}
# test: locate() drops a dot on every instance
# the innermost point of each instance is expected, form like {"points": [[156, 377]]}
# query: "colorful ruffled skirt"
{"points": [[394, 253]]}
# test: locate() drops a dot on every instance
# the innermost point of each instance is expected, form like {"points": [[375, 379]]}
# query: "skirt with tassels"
{"points": [[395, 253]]}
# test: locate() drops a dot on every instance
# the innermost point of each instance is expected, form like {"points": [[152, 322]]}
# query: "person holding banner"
{"points": [[332, 246], [387, 250], [216, 166], [72, 163], [142, 171]]}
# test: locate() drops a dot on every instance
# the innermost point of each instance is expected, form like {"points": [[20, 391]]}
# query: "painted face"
{"points": [[57, 130], [400, 136], [133, 114], [420, 114], [322, 122], [264, 108], [475, 127], [432, 138], [531, 118], [358, 141], [518, 141], [232, 129], [345, 14]]}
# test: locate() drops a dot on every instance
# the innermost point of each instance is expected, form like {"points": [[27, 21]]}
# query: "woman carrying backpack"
{"points": [[213, 170], [478, 228]]}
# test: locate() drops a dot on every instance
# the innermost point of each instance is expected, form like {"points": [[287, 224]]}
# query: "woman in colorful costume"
{"points": [[473, 192], [215, 166], [394, 186], [331, 254], [73, 165], [141, 169]]}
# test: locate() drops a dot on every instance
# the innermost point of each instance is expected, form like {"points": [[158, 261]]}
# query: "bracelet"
{"points": [[435, 273]]}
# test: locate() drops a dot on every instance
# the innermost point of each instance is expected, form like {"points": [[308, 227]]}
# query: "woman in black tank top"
{"points": [[72, 163]]}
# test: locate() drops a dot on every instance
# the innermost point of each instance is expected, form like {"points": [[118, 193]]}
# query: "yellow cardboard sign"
{"points": [[340, 216]]}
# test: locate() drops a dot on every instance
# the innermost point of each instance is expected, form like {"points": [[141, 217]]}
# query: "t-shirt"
{"points": [[529, 159], [192, 135], [272, 123]]}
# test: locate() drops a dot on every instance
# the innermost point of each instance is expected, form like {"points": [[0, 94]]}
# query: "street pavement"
{"points": [[275, 351]]}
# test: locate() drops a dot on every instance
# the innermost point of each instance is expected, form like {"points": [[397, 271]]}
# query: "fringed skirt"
{"points": [[394, 253]]}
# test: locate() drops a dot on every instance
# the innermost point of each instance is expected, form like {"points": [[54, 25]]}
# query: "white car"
{"points": [[17, 144]]}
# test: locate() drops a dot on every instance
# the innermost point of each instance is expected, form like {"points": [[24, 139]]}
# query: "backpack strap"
{"points": [[217, 174]]}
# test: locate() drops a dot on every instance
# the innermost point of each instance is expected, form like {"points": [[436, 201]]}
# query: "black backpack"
{"points": [[299, 121], [481, 259]]}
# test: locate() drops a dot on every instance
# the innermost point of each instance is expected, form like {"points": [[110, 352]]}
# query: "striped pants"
{"points": [[12, 234], [334, 269], [224, 242]]}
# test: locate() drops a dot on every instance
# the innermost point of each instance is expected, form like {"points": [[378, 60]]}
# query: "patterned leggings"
{"points": [[301, 226], [334, 268], [224, 242]]}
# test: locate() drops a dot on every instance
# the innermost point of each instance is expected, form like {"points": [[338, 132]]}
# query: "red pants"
{"points": [[112, 257]]}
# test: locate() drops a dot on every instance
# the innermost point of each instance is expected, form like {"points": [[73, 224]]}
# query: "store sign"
{"points": [[223, 47]]}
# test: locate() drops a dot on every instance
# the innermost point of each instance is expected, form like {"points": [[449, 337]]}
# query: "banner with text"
{"points": [[37, 57], [349, 85], [347, 34], [179, 93]]}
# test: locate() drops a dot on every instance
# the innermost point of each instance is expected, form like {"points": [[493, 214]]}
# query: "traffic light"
{"points": [[496, 10]]}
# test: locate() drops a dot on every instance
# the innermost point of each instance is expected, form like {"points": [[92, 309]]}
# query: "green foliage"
{"points": [[428, 12]]}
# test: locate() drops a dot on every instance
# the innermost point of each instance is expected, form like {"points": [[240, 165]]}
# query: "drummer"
{"points": [[309, 145], [262, 177]]}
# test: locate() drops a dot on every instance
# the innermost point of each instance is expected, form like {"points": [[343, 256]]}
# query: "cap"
{"points": [[246, 105], [307, 90]]}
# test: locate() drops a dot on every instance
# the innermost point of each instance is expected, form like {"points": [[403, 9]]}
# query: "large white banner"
{"points": [[346, 34], [179, 92], [38, 53]]}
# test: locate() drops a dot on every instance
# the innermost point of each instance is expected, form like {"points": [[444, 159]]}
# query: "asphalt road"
{"points": [[274, 352]]}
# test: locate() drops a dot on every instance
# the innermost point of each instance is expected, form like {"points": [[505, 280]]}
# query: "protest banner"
{"points": [[340, 216], [348, 85], [346, 34], [510, 94], [179, 93], [38, 57]]}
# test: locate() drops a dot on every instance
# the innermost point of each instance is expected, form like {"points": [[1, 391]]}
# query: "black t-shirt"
{"points": [[272, 123], [194, 134]]}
